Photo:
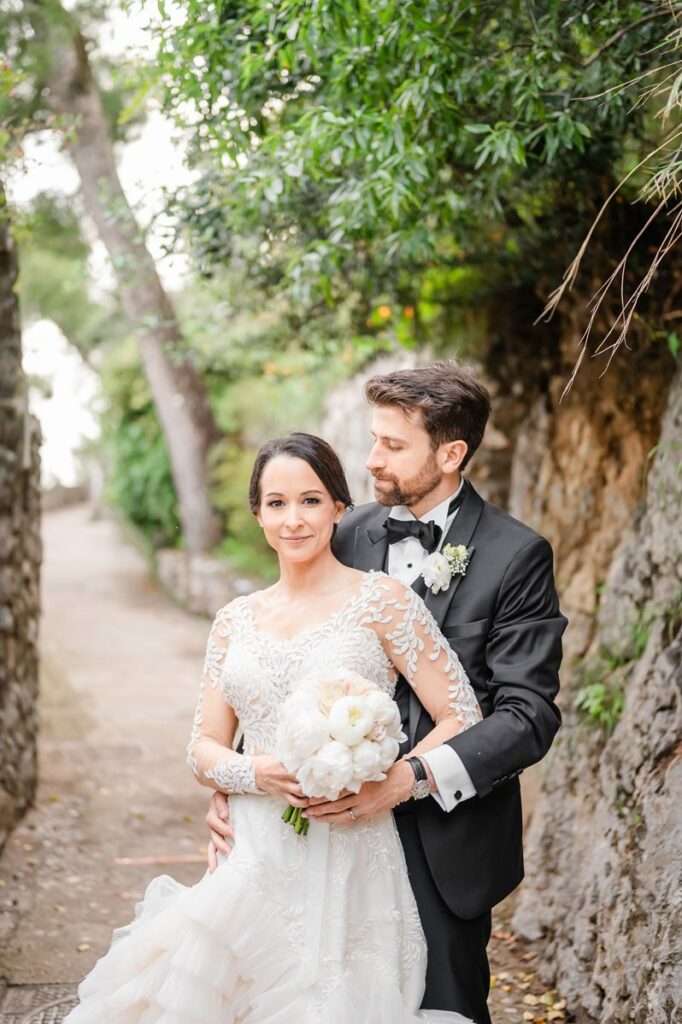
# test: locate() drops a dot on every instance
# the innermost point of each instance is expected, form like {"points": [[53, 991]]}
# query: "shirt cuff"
{"points": [[453, 782]]}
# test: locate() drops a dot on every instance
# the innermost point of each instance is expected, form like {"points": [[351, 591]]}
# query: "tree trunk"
{"points": [[177, 389]]}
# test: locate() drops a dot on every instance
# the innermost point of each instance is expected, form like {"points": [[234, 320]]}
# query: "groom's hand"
{"points": [[373, 798], [221, 834]]}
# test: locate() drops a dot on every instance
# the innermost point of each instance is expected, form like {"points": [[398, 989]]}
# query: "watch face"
{"points": [[421, 789]]}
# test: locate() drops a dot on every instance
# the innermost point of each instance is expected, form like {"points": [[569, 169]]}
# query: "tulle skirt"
{"points": [[316, 929]]}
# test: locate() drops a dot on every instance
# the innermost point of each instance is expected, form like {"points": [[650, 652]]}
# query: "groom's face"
{"points": [[402, 460]]}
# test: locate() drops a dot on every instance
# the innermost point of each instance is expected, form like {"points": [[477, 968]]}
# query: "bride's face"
{"points": [[296, 510]]}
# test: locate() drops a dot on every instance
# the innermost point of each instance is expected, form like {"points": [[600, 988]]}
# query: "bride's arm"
{"points": [[210, 753], [420, 652]]}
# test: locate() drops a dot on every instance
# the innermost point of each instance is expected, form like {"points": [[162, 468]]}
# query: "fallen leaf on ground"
{"points": [[531, 1000], [83, 947]]}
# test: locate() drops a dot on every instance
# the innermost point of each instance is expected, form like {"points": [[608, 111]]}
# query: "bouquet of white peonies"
{"points": [[336, 732]]}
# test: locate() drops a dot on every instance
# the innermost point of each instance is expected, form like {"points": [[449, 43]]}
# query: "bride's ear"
{"points": [[340, 511]]}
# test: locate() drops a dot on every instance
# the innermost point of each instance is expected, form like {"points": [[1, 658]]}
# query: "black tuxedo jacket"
{"points": [[502, 618]]}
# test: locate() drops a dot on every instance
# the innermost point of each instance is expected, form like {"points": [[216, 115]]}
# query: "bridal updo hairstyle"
{"points": [[453, 403], [319, 455]]}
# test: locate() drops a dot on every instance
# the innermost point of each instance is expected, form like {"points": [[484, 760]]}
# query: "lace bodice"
{"points": [[384, 630]]}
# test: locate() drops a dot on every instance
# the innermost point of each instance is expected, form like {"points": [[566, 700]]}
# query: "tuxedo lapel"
{"points": [[371, 542], [460, 532]]}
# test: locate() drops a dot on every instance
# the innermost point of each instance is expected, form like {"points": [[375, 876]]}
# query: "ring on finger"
{"points": [[352, 813]]}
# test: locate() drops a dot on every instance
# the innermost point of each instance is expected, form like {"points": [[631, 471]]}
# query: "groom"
{"points": [[461, 833]]}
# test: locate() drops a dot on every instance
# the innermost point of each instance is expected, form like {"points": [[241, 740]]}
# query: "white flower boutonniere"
{"points": [[439, 568]]}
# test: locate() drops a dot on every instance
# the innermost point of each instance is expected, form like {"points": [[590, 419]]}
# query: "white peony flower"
{"points": [[350, 719], [327, 772], [299, 736], [367, 761], [389, 748], [385, 710]]}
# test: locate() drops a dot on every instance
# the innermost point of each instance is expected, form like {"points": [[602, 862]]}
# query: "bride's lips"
{"points": [[296, 540]]}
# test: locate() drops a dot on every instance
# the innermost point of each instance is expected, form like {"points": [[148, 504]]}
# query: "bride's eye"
{"points": [[275, 502], [315, 501]]}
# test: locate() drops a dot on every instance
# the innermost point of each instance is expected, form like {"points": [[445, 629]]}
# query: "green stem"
{"points": [[294, 816]]}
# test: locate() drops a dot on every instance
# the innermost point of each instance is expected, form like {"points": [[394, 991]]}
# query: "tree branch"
{"points": [[621, 32]]}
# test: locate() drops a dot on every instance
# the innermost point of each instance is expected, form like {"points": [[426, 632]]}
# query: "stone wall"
{"points": [[600, 474], [20, 557]]}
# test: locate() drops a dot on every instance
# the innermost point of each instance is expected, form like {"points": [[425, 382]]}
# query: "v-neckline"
{"points": [[310, 630]]}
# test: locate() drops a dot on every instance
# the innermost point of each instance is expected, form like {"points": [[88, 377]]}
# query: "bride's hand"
{"points": [[272, 777]]}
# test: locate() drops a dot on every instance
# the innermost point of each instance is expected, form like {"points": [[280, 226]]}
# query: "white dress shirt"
{"points": [[405, 560]]}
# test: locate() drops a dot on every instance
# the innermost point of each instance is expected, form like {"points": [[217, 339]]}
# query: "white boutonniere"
{"points": [[439, 568]]}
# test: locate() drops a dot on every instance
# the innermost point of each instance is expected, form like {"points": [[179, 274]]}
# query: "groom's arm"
{"points": [[523, 654]]}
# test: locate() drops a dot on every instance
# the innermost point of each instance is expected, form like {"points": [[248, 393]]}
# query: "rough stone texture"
{"points": [[604, 883], [20, 556], [579, 470]]}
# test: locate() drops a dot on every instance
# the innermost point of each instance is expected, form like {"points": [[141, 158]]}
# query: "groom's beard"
{"points": [[390, 491]]}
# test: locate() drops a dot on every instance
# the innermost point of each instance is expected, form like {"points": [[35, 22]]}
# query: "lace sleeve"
{"points": [[209, 752], [420, 652]]}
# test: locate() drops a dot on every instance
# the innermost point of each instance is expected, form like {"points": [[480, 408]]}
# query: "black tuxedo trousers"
{"points": [[502, 618]]}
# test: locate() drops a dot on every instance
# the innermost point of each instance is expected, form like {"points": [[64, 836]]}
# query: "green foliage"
{"points": [[601, 704], [369, 142], [600, 699], [139, 481], [54, 278], [265, 375], [244, 544]]}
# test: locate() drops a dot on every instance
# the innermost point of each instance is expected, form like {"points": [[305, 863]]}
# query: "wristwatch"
{"points": [[421, 787]]}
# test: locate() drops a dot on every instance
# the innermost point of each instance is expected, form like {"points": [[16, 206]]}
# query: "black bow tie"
{"points": [[428, 534]]}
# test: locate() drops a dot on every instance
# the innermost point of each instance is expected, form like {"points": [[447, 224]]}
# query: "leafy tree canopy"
{"points": [[382, 144]]}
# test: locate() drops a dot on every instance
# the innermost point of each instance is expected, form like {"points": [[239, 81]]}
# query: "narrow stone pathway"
{"points": [[117, 804]]}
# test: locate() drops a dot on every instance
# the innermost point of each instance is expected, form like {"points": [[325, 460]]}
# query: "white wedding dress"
{"points": [[316, 929]]}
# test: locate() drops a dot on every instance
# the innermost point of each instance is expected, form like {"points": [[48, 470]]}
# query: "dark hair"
{"points": [[319, 455], [453, 403]]}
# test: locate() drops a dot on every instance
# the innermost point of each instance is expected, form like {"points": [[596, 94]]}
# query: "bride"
{"points": [[313, 928]]}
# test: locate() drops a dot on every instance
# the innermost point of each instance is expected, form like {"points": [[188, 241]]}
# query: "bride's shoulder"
{"points": [[232, 611], [388, 588]]}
